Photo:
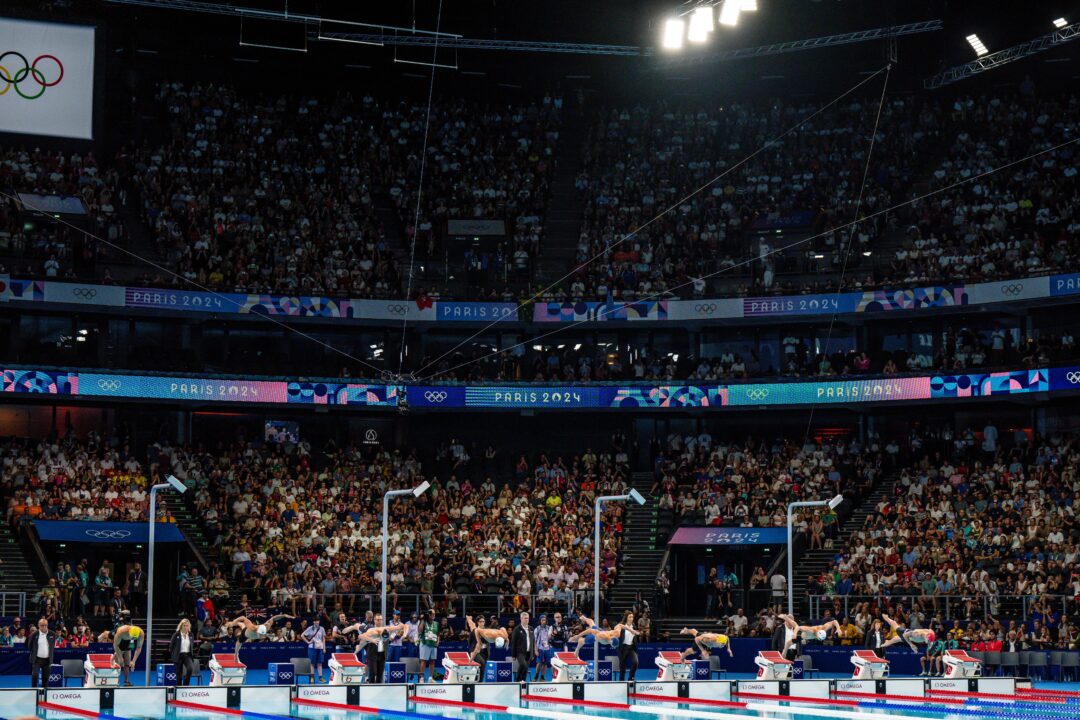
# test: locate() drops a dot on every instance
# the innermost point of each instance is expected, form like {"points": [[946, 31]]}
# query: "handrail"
{"points": [[951, 607]]}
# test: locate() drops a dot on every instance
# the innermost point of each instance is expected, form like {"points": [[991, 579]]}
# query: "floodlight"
{"points": [[701, 24], [1060, 23], [729, 14], [977, 45], [748, 5], [673, 34], [835, 502], [636, 497], [421, 488], [177, 485]]}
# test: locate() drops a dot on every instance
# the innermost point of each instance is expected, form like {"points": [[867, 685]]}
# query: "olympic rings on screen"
{"points": [[705, 308], [397, 309], [84, 293], [1073, 376], [108, 534], [757, 393], [1013, 289], [435, 396], [109, 385], [29, 72]]}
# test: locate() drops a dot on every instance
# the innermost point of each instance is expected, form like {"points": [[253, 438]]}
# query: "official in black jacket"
{"points": [[41, 644], [875, 638], [523, 647], [628, 659], [182, 651]]}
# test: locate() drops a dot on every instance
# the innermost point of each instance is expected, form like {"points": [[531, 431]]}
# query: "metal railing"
{"points": [[12, 604], [459, 604], [955, 606]]}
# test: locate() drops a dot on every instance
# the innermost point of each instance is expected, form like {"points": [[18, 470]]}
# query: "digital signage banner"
{"points": [[446, 311], [105, 532], [47, 79], [728, 536]]}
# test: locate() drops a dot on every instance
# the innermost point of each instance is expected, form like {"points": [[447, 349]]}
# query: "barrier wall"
{"points": [[19, 702]]}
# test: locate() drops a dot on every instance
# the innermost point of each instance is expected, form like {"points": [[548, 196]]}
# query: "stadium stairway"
{"points": [[641, 556], [185, 515], [815, 562], [16, 573], [562, 226]]}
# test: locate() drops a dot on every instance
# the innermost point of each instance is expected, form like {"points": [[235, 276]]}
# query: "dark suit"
{"points": [[778, 637], [522, 649], [183, 661], [40, 664], [874, 640]]}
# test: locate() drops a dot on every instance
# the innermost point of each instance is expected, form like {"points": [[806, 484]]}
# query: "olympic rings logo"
{"points": [[1013, 289], [108, 534], [29, 72], [397, 309], [435, 396], [112, 385], [84, 293], [757, 393], [705, 308], [1073, 376], [285, 675]]}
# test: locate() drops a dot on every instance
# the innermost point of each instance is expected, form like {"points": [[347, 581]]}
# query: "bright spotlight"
{"points": [[673, 34], [748, 5], [701, 24], [977, 45], [729, 14], [1060, 23]]}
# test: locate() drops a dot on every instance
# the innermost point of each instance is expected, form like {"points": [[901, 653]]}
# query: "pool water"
{"points": [[971, 709]]}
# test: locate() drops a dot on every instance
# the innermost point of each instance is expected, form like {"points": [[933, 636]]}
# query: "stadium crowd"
{"points": [[237, 198]]}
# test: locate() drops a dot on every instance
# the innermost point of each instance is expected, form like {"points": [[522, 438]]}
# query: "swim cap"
{"points": [[261, 630], [499, 642], [821, 634], [134, 631], [721, 639], [931, 637]]}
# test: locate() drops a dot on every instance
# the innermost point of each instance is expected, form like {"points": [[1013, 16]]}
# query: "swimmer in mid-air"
{"points": [[603, 637], [375, 633], [809, 633], [704, 641], [485, 636], [913, 638], [251, 630]]}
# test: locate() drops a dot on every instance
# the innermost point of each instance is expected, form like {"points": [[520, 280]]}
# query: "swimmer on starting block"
{"points": [[253, 631], [704, 641], [809, 632], [603, 637], [486, 636], [123, 656], [913, 638]]}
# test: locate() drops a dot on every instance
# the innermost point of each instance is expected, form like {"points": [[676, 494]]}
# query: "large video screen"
{"points": [[46, 79]]}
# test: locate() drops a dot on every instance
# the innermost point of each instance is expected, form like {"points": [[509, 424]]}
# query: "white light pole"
{"points": [[636, 497], [833, 504], [415, 492], [180, 488]]}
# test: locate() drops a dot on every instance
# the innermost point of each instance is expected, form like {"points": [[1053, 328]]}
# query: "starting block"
{"points": [[568, 667], [772, 666], [100, 671], [226, 670], [868, 666], [346, 669], [672, 666], [460, 668], [958, 664]]}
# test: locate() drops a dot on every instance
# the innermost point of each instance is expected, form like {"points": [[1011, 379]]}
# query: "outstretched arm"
{"points": [[689, 631], [351, 628], [275, 618], [789, 622], [470, 624]]}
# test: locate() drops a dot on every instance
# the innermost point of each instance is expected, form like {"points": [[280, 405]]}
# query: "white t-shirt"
{"points": [[43, 645]]}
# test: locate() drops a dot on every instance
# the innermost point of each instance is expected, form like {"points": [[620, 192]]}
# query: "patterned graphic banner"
{"points": [[554, 397], [728, 536], [310, 306]]}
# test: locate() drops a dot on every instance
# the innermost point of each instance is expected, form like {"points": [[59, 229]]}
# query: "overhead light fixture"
{"points": [[673, 34], [867, 253], [977, 45], [729, 14], [701, 24], [748, 5], [1060, 23]]}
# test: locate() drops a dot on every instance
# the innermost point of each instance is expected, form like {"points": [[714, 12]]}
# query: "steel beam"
{"points": [[1003, 57]]}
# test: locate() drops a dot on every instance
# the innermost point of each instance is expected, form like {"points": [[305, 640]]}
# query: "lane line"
{"points": [[689, 701], [365, 709], [78, 711], [585, 703]]}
